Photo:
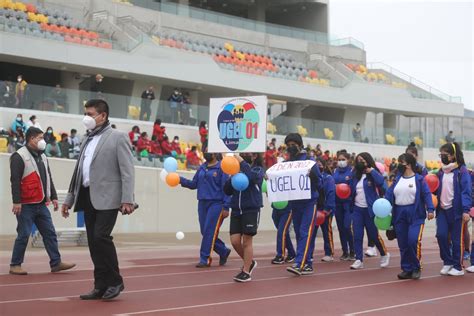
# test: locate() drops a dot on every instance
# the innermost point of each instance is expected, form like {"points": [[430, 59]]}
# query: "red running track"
{"points": [[172, 286]]}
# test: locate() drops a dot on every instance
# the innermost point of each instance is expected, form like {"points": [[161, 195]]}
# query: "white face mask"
{"points": [[342, 164], [41, 145], [89, 122]]}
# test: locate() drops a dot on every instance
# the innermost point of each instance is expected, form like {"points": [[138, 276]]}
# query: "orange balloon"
{"points": [[435, 200], [230, 165], [172, 179]]}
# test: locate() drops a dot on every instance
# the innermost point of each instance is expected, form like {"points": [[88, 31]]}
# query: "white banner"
{"points": [[289, 181], [238, 124]]}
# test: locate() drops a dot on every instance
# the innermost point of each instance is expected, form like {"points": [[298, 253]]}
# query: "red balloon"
{"points": [[320, 217], [343, 191], [432, 181]]}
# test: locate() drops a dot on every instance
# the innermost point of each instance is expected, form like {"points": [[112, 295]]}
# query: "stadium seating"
{"points": [[378, 77], [42, 22]]}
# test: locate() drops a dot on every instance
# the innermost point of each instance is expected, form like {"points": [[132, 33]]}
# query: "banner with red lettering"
{"points": [[289, 181]]}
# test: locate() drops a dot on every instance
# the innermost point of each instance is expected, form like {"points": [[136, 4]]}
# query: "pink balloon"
{"points": [[380, 166]]}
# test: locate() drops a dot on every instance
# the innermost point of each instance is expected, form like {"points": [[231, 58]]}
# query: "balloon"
{"points": [[264, 186], [471, 212], [383, 223], [170, 164], [382, 208], [174, 153], [380, 166], [240, 182], [343, 191], [180, 235], [172, 179], [230, 165], [435, 200], [320, 218], [280, 205], [163, 175], [432, 181]]}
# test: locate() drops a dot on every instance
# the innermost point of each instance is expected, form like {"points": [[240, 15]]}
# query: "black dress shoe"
{"points": [[95, 294], [113, 291], [404, 275], [416, 274], [223, 260]]}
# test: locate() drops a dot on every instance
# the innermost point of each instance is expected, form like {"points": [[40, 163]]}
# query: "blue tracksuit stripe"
{"points": [[210, 220], [216, 233], [308, 249], [282, 220]]}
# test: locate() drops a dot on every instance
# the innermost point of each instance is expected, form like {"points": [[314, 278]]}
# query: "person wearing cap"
{"points": [[303, 211]]}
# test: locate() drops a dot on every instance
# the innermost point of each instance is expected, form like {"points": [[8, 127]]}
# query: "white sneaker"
{"points": [[470, 269], [357, 265], [327, 259], [456, 272], [371, 252], [445, 270], [385, 260]]}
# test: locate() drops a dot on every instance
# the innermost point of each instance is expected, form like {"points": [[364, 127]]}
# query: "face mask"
{"points": [[293, 151], [19, 119], [19, 79], [50, 131], [176, 141], [445, 160], [41, 145], [208, 157], [342, 163], [360, 166], [89, 122], [402, 168]]}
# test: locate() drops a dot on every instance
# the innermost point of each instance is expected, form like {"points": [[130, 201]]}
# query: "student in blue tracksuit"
{"points": [[213, 207], [366, 181], [304, 211], [245, 214], [282, 220], [327, 204], [412, 150], [343, 174], [411, 199], [455, 200], [470, 269]]}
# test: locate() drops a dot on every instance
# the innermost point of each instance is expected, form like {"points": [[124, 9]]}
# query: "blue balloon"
{"points": [[382, 208], [240, 182], [170, 164]]}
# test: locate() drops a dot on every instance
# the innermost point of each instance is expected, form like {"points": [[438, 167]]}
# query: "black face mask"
{"points": [[360, 166], [402, 168], [445, 160], [208, 157], [248, 159], [293, 152]]}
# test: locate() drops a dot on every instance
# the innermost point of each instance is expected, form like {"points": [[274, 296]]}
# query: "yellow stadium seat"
{"points": [[181, 165], [19, 6], [3, 145], [442, 141], [271, 128], [133, 112], [301, 130], [390, 139], [329, 134]]}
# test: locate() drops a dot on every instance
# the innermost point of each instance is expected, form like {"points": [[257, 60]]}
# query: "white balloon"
{"points": [[180, 235], [163, 175]]}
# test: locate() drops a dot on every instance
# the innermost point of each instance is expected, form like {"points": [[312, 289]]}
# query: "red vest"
{"points": [[31, 185]]}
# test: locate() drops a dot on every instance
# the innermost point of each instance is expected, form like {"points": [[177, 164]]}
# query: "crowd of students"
{"points": [[407, 191]]}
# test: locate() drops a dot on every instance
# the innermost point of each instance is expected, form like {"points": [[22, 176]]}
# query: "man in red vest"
{"points": [[32, 190]]}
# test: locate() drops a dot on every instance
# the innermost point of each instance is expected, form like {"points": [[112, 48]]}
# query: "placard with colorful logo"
{"points": [[238, 124]]}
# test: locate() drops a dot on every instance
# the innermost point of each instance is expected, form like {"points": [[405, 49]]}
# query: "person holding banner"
{"points": [[326, 204], [343, 174], [366, 181], [245, 214], [411, 199], [282, 220], [304, 211], [213, 208]]}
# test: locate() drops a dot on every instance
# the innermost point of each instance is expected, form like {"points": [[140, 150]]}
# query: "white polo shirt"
{"points": [[405, 191]]}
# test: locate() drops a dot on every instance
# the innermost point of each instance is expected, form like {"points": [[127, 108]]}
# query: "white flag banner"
{"points": [[289, 181]]}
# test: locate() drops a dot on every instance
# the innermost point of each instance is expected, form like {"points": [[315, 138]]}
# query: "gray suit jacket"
{"points": [[112, 175]]}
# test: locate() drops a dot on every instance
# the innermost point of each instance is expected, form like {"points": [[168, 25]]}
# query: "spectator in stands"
{"points": [[357, 133], [145, 108], [203, 132], [97, 88], [19, 139], [185, 108], [192, 159], [270, 156], [49, 135], [6, 93], [450, 137], [134, 135], [144, 146], [75, 144], [158, 131], [21, 92], [59, 98], [176, 146], [325, 156], [175, 101], [53, 149], [33, 122], [166, 146], [18, 123], [64, 146], [156, 149]]}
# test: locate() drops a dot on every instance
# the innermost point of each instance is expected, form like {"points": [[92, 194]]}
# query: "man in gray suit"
{"points": [[102, 185]]}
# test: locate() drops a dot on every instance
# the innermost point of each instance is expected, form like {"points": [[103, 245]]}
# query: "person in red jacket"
{"points": [[144, 144], [203, 132], [176, 147], [158, 131], [166, 146], [156, 149], [134, 135], [270, 156], [192, 159]]}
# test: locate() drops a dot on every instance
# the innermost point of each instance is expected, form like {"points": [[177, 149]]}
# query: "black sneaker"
{"points": [[252, 266], [352, 257], [278, 260], [404, 275], [243, 277], [290, 259], [202, 265], [294, 269], [307, 269], [416, 274], [223, 260]]}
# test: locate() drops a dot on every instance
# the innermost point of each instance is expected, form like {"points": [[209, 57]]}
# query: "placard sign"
{"points": [[238, 124], [289, 181]]}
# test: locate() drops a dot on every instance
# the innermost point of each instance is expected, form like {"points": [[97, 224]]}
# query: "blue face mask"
{"points": [[19, 119]]}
